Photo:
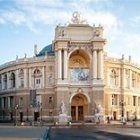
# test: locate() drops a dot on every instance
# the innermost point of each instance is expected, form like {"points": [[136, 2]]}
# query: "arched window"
{"points": [[37, 78], [13, 80], [113, 78], [21, 77], [37, 72], [5, 81]]}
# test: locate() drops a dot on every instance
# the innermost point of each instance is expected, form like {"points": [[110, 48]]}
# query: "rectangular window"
{"points": [[50, 100], [134, 100], [11, 101], [37, 81], [114, 99], [22, 83], [21, 101], [4, 102]]}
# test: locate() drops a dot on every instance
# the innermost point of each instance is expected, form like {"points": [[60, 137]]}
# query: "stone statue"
{"points": [[35, 49], [25, 55], [16, 57], [99, 115], [63, 117], [99, 109], [76, 18], [63, 108]]}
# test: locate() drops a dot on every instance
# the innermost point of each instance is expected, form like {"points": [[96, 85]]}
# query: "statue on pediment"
{"points": [[76, 18]]}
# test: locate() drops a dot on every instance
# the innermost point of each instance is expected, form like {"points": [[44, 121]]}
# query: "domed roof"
{"points": [[46, 50]]}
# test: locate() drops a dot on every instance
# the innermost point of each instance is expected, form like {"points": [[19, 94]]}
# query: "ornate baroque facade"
{"points": [[74, 70]]}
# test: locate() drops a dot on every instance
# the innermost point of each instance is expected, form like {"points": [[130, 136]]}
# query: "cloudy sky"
{"points": [[24, 23]]}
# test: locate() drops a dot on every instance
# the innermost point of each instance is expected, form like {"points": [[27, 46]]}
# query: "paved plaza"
{"points": [[95, 133], [21, 133], [74, 132]]}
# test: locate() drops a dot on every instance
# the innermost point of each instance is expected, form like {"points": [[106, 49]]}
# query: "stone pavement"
{"points": [[10, 132], [21, 133], [94, 133]]}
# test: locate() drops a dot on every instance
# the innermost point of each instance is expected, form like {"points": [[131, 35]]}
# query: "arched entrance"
{"points": [[79, 107]]}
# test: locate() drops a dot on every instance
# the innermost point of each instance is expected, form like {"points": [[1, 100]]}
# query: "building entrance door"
{"points": [[77, 112], [79, 107], [80, 113], [114, 115], [73, 112]]}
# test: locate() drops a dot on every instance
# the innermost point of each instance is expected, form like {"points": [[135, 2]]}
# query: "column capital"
{"points": [[65, 49], [59, 49]]}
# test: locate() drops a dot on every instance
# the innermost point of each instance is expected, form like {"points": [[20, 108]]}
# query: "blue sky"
{"points": [[24, 23]]}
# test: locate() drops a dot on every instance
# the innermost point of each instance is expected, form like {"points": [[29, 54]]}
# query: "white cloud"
{"points": [[49, 12], [124, 43], [14, 16], [33, 12], [2, 21], [135, 19]]}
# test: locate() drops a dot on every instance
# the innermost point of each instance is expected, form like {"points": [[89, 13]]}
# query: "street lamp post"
{"points": [[32, 110], [40, 113], [16, 109], [27, 114], [135, 114], [122, 103]]}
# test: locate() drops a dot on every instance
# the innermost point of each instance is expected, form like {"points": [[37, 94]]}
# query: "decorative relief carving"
{"points": [[79, 90], [77, 61], [79, 45]]}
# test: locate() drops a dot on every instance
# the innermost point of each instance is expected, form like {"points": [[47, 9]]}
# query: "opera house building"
{"points": [[73, 70]]}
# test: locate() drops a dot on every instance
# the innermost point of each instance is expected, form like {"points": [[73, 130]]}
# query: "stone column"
{"points": [[30, 78], [123, 78], [43, 77], [3, 83], [56, 66], [17, 79], [65, 64], [130, 78], [8, 80], [94, 60], [8, 102], [119, 77], [100, 65], [59, 64], [25, 78], [108, 77]]}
